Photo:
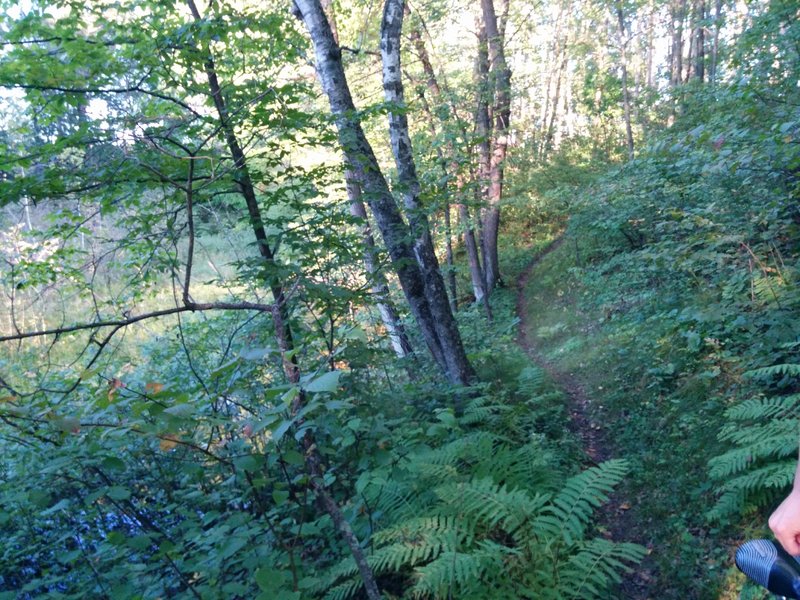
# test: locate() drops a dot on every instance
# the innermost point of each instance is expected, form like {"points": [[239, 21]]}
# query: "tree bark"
{"points": [[501, 76], [678, 14], [446, 327], [436, 323], [712, 63], [699, 40], [483, 124]]}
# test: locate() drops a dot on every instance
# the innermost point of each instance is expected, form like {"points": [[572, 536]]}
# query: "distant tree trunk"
{"points": [[448, 255], [699, 40], [650, 35], [552, 73], [678, 14], [436, 323], [561, 53], [452, 170], [626, 103], [483, 123], [380, 288], [712, 64], [501, 78]]}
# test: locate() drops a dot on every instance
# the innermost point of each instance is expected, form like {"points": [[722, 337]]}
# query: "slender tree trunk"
{"points": [[552, 73], [501, 77], [443, 339], [483, 123], [712, 65], [476, 271], [650, 38], [678, 14], [446, 327], [699, 40], [448, 251], [560, 74], [626, 103], [380, 288], [280, 316]]}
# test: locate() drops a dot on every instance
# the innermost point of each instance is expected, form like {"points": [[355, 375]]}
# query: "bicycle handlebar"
{"points": [[769, 565]]}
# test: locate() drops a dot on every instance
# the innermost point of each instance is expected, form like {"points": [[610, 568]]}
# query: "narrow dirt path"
{"points": [[614, 516]]}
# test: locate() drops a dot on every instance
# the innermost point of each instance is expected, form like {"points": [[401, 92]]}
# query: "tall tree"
{"points": [[450, 167], [415, 263], [501, 112], [380, 288]]}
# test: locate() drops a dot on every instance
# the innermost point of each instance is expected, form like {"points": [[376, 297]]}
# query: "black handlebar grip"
{"points": [[769, 565]]}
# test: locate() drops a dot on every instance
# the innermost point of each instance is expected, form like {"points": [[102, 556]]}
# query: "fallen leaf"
{"points": [[167, 442]]}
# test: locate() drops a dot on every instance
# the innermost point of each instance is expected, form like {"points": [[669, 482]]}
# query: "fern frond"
{"points": [[764, 408], [453, 571], [598, 565], [476, 414], [569, 512], [755, 487], [470, 446], [491, 505], [786, 369], [739, 459], [531, 380], [345, 590]]}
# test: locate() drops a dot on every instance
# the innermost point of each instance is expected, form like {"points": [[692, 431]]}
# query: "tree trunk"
{"points": [[482, 122], [626, 103], [280, 316], [650, 36], [446, 349], [502, 116], [678, 14], [561, 52], [712, 64], [446, 327], [380, 288], [699, 40], [448, 252], [475, 269]]}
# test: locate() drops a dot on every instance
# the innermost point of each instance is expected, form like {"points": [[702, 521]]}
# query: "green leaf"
{"points": [[117, 492], [327, 382]]}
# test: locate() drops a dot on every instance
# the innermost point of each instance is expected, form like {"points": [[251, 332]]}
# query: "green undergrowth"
{"points": [[175, 479], [673, 298]]}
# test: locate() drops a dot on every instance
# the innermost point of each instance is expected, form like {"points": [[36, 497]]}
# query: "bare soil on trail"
{"points": [[615, 519]]}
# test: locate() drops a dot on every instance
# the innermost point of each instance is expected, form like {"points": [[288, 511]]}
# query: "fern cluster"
{"points": [[763, 433], [479, 515]]}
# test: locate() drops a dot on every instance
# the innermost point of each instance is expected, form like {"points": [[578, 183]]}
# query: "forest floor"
{"points": [[616, 521]]}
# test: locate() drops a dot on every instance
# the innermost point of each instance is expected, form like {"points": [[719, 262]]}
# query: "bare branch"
{"points": [[120, 323]]}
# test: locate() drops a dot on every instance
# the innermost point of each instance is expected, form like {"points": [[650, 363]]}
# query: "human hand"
{"points": [[785, 523]]}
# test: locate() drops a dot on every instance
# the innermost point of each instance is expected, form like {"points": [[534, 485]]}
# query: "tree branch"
{"points": [[120, 323]]}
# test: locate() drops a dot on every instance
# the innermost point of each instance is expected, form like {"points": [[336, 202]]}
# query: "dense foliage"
{"points": [[216, 382]]}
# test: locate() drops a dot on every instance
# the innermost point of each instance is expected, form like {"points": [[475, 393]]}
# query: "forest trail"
{"points": [[615, 518]]}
